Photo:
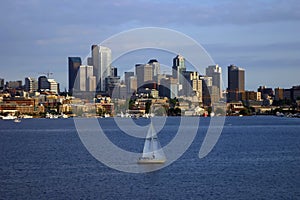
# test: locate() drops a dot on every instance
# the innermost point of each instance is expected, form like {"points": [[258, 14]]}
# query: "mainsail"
{"points": [[152, 152]]}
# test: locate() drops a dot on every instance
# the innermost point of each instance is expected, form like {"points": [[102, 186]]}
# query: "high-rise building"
{"points": [[215, 72], [53, 86], [101, 57], [132, 84], [74, 64], [265, 92], [31, 84], [85, 71], [91, 84], [192, 84], [113, 71], [127, 76], [236, 83], [90, 61], [156, 67], [279, 94], [178, 68], [210, 92], [1, 83], [144, 74], [43, 83]]}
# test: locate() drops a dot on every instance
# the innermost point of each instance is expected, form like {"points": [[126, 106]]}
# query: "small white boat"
{"points": [[9, 117], [17, 120], [152, 152]]}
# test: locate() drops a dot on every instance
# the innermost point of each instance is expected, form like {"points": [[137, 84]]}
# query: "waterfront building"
{"points": [[279, 94], [265, 92]]}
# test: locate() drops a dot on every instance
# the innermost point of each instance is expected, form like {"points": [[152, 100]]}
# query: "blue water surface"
{"points": [[255, 158]]}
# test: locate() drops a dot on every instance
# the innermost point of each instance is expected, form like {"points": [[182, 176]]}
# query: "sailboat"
{"points": [[152, 152]]}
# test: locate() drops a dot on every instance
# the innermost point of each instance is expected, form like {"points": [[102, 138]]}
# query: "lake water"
{"points": [[255, 158]]}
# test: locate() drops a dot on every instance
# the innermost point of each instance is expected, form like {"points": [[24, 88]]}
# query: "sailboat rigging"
{"points": [[152, 152]]}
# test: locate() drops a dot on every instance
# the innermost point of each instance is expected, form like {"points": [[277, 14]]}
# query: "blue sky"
{"points": [[262, 36]]}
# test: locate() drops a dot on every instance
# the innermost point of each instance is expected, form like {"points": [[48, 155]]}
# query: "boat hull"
{"points": [[151, 161]]}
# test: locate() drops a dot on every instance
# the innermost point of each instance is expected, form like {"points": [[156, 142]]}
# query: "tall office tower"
{"points": [[90, 61], [156, 67], [91, 84], [132, 84], [215, 72], [192, 84], [168, 87], [113, 71], [127, 76], [236, 83], [111, 83], [210, 92], [1, 83], [101, 57], [43, 83], [144, 74], [84, 72], [31, 84], [74, 63], [178, 68]]}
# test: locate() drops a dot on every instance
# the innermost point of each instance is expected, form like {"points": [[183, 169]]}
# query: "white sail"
{"points": [[152, 152]]}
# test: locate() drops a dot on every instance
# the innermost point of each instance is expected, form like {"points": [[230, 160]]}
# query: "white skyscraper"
{"points": [[84, 74], [101, 58]]}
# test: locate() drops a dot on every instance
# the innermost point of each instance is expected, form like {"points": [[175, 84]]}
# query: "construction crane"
{"points": [[47, 73]]}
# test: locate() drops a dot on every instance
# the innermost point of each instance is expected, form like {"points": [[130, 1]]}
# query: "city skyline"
{"points": [[260, 36]]}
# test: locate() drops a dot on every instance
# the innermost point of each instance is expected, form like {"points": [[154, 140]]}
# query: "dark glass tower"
{"points": [[178, 68], [74, 64], [236, 83]]}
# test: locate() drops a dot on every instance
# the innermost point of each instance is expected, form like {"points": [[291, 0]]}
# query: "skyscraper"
{"points": [[43, 83], [215, 72], [236, 83], [1, 83], [178, 68], [127, 76], [74, 64], [31, 84], [192, 84], [156, 67], [84, 73], [144, 73], [101, 58]]}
